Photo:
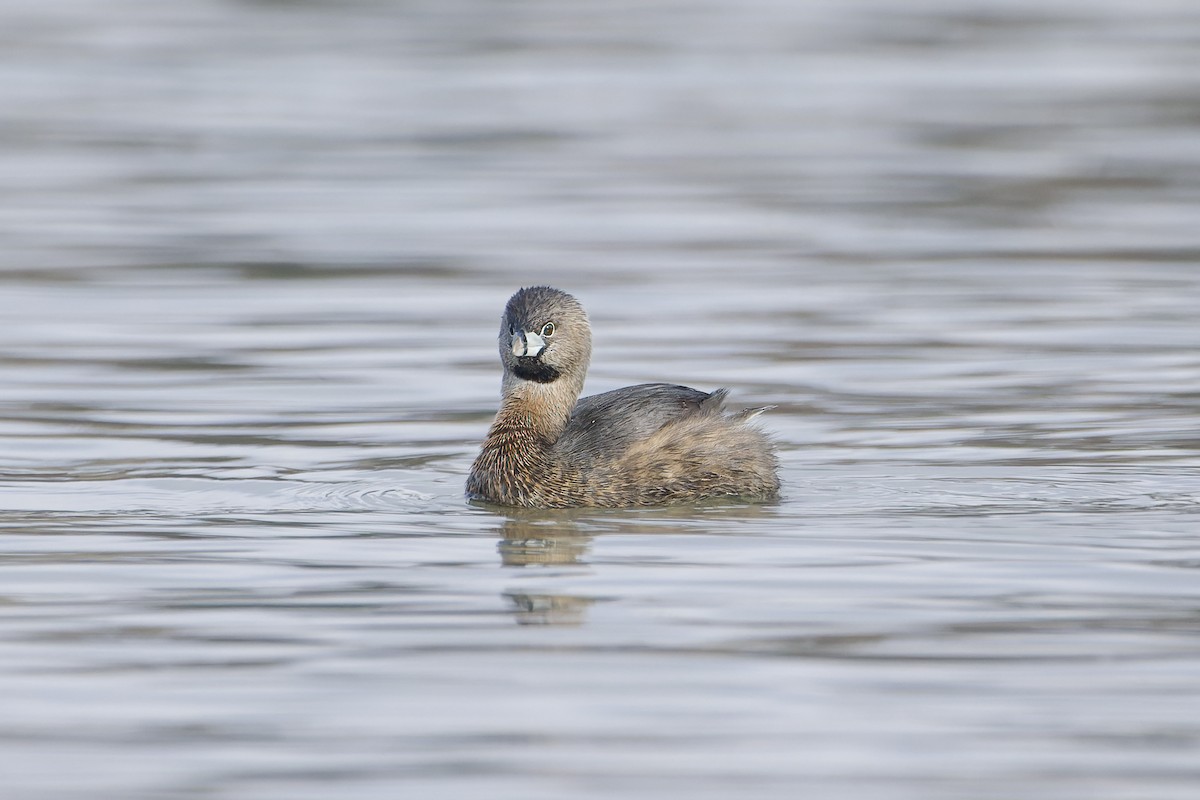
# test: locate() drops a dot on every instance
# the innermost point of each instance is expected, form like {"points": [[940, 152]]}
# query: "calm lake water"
{"points": [[254, 255]]}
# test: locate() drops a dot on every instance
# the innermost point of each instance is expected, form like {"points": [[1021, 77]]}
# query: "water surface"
{"points": [[255, 254]]}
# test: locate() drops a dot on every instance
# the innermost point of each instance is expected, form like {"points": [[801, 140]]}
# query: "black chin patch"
{"points": [[533, 369]]}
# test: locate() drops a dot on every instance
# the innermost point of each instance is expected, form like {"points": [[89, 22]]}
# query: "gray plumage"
{"points": [[650, 444]]}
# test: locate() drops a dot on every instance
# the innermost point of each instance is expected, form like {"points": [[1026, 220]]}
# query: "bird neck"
{"points": [[534, 411]]}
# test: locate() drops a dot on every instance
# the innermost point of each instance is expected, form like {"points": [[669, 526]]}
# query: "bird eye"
{"points": [[548, 329]]}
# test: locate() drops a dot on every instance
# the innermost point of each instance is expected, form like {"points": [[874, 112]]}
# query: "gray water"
{"points": [[254, 255]]}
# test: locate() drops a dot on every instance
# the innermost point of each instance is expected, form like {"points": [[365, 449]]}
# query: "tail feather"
{"points": [[747, 414], [715, 403]]}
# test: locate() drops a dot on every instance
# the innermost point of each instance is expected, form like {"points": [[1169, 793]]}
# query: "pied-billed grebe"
{"points": [[643, 445]]}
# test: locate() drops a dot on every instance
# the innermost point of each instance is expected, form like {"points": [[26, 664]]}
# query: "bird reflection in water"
{"points": [[563, 539], [544, 540]]}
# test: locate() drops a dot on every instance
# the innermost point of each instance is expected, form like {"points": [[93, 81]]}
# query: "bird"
{"points": [[645, 445]]}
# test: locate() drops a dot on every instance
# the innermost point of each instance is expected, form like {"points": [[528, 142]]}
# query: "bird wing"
{"points": [[611, 421]]}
